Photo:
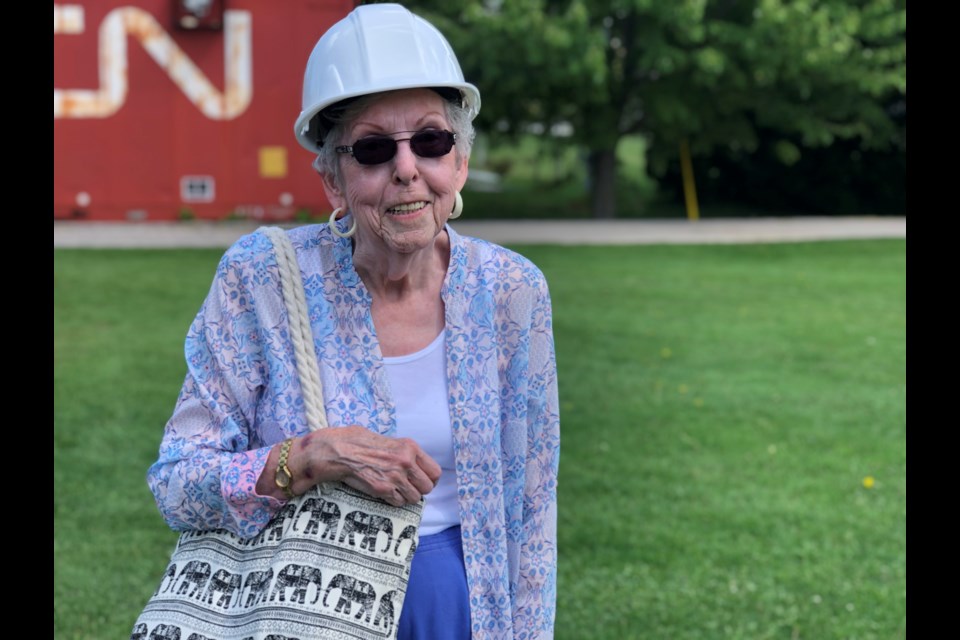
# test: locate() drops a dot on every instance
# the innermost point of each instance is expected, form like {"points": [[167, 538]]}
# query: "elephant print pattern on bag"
{"points": [[274, 530], [169, 578], [368, 526], [258, 583], [321, 512], [224, 583], [165, 632], [385, 612], [360, 542], [408, 534], [352, 591], [196, 574], [299, 578]]}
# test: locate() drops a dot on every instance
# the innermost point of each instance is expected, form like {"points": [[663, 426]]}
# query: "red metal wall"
{"points": [[142, 104]]}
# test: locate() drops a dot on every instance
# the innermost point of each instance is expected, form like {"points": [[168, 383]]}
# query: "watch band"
{"points": [[284, 478]]}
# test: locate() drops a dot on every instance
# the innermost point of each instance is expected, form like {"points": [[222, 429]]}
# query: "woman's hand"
{"points": [[395, 470]]}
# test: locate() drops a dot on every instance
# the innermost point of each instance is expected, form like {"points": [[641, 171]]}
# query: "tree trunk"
{"points": [[603, 182]]}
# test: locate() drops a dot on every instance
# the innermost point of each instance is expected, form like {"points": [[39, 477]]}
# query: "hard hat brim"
{"points": [[305, 127]]}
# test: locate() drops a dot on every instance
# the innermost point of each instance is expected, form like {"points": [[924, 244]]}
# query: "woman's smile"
{"points": [[407, 210]]}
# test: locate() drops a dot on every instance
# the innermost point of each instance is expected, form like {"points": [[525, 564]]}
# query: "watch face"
{"points": [[283, 478]]}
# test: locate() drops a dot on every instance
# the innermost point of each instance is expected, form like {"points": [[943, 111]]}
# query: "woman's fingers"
{"points": [[400, 472], [426, 474], [395, 470]]}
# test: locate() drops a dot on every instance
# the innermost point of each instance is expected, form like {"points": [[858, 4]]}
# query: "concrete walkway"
{"points": [[68, 234]]}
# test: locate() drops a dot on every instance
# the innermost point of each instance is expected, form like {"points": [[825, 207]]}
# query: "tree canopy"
{"points": [[708, 72]]}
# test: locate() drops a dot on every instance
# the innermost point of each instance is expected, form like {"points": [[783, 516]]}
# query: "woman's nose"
{"points": [[405, 163]]}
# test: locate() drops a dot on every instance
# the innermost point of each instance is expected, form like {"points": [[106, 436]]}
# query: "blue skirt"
{"points": [[437, 603]]}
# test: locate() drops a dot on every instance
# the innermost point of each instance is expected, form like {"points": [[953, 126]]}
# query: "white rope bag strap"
{"points": [[300, 334]]}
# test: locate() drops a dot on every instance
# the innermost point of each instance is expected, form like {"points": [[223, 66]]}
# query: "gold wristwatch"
{"points": [[284, 478]]}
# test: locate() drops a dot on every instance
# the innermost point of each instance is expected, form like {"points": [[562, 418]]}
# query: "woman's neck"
{"points": [[389, 275], [406, 306]]}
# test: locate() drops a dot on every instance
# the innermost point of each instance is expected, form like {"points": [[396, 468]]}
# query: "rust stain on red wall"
{"points": [[156, 122]]}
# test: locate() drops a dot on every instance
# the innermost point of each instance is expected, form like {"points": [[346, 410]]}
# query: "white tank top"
{"points": [[419, 385]]}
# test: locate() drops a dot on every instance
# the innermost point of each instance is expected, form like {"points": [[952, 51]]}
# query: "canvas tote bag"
{"points": [[333, 563]]}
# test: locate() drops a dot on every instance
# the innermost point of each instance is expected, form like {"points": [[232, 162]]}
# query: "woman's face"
{"points": [[402, 204]]}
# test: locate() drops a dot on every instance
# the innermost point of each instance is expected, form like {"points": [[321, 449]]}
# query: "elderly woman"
{"points": [[436, 349]]}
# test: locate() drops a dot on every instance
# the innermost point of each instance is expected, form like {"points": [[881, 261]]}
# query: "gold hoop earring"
{"points": [[457, 207], [333, 225]]}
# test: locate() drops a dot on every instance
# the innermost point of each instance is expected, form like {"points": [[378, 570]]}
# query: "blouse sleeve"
{"points": [[534, 601], [207, 470]]}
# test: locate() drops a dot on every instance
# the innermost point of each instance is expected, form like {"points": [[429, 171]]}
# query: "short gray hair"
{"points": [[328, 161]]}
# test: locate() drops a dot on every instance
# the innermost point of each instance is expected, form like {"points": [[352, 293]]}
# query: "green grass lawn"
{"points": [[721, 408]]}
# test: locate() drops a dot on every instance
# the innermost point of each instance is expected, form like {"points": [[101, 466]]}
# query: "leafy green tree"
{"points": [[705, 71]]}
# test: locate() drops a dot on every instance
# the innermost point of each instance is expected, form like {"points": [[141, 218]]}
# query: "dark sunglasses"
{"points": [[426, 143]]}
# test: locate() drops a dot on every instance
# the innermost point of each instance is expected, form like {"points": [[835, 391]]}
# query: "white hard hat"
{"points": [[377, 47]]}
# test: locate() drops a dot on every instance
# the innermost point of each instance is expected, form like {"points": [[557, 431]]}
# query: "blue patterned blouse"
{"points": [[241, 395]]}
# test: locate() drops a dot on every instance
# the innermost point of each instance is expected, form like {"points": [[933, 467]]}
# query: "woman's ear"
{"points": [[333, 191], [462, 172]]}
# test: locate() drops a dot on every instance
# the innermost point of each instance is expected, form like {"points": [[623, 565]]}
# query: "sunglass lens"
{"points": [[374, 149], [431, 144]]}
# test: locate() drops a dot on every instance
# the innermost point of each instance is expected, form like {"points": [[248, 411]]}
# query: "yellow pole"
{"points": [[689, 188]]}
